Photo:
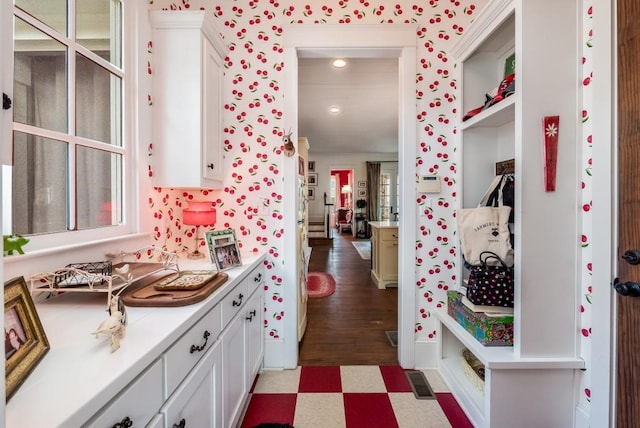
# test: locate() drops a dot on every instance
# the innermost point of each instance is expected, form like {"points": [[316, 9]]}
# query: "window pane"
{"points": [[98, 28], [40, 184], [99, 188], [40, 79], [100, 121], [51, 12]]}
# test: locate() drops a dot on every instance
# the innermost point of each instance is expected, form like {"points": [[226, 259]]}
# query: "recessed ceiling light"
{"points": [[334, 109], [338, 63]]}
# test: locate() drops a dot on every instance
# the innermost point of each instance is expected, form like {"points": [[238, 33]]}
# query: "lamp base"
{"points": [[195, 255]]}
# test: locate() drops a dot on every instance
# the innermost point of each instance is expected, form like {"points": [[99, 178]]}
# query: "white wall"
{"points": [[325, 163]]}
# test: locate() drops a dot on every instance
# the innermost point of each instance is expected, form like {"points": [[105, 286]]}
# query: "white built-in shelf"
{"points": [[497, 115], [503, 357]]}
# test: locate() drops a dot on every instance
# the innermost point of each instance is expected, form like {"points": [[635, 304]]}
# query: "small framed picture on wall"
{"points": [[362, 193], [362, 184], [311, 166], [312, 179], [311, 193]]}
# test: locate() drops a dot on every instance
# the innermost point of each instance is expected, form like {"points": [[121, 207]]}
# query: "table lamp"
{"points": [[198, 213]]}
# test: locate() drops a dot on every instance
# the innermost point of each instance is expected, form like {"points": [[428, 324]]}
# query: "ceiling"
{"points": [[365, 90]]}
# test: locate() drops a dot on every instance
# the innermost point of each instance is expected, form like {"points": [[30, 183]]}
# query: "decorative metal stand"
{"points": [[106, 277]]}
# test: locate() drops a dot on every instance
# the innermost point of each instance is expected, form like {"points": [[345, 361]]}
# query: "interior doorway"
{"points": [[366, 41]]}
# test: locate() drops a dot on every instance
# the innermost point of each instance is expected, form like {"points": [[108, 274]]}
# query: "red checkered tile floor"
{"points": [[350, 397]]}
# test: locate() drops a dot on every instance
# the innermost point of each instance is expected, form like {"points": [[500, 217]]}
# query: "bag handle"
{"points": [[491, 255], [492, 193]]}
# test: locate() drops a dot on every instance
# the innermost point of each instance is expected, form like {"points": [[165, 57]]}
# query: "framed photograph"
{"points": [[311, 193], [311, 166], [223, 248], [227, 256], [362, 184], [312, 179], [362, 193], [25, 342], [300, 165]]}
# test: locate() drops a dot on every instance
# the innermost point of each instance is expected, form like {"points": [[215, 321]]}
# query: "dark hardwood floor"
{"points": [[348, 327]]}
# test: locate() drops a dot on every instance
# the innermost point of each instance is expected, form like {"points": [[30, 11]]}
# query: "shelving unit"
{"points": [[531, 383]]}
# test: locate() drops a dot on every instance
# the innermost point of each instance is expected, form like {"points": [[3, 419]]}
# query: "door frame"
{"points": [[602, 357], [388, 40]]}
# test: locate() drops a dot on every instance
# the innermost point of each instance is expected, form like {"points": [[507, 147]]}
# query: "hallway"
{"points": [[348, 327]]}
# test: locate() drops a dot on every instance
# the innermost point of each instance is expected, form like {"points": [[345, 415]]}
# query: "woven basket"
{"points": [[470, 367]]}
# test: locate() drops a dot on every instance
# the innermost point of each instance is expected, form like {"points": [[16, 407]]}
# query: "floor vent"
{"points": [[421, 388], [393, 338]]}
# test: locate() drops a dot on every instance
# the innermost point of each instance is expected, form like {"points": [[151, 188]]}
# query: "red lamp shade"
{"points": [[199, 214]]}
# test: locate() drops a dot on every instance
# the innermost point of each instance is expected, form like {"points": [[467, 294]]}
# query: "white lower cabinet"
{"points": [[126, 409], [242, 349], [254, 326], [233, 379], [156, 422], [197, 402], [186, 366]]}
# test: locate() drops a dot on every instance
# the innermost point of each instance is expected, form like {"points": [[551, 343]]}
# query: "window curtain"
{"points": [[40, 190], [373, 191]]}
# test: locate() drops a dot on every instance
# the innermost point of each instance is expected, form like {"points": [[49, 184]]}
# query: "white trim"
{"points": [[603, 355], [397, 40], [6, 117]]}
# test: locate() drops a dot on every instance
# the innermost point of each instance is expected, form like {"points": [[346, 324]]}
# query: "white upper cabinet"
{"points": [[188, 55]]}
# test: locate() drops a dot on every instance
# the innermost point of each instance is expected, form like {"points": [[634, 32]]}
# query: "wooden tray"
{"points": [[147, 295]]}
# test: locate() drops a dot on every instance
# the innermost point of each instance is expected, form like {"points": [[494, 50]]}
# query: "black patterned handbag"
{"points": [[490, 285]]}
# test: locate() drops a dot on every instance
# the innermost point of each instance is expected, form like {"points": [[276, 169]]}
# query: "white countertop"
{"points": [[79, 374], [384, 224]]}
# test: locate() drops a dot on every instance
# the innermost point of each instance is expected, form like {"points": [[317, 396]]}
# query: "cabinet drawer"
{"points": [[255, 279], [389, 234], [139, 402], [233, 301], [185, 352]]}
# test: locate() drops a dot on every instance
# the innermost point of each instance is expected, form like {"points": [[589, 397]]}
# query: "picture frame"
{"points": [[227, 256], [362, 184], [300, 165], [311, 193], [25, 340], [312, 179], [311, 166], [223, 248], [362, 193]]}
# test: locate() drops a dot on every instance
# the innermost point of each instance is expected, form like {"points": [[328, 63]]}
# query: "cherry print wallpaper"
{"points": [[252, 131], [587, 221]]}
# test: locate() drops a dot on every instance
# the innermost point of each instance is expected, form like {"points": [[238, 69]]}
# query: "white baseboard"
{"points": [[582, 418], [274, 354], [426, 353]]}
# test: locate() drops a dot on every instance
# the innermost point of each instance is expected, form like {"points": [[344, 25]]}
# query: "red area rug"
{"points": [[320, 284]]}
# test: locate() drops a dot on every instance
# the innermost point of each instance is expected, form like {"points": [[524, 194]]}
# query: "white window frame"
{"points": [[51, 242]]}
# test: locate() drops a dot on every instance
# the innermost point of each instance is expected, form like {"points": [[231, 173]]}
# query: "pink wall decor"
{"points": [[551, 128]]}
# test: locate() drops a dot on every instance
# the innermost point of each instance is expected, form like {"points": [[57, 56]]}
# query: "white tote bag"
{"points": [[485, 229]]}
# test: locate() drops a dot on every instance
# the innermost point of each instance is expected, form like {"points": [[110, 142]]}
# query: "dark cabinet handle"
{"points": [[181, 424], [257, 278], [239, 301], [125, 423], [195, 348], [251, 315], [632, 257], [631, 289], [210, 165], [6, 102]]}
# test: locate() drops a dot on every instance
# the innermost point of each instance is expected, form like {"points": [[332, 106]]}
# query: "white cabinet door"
{"points": [[187, 81], [198, 400], [234, 383], [212, 167], [137, 403], [254, 326]]}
